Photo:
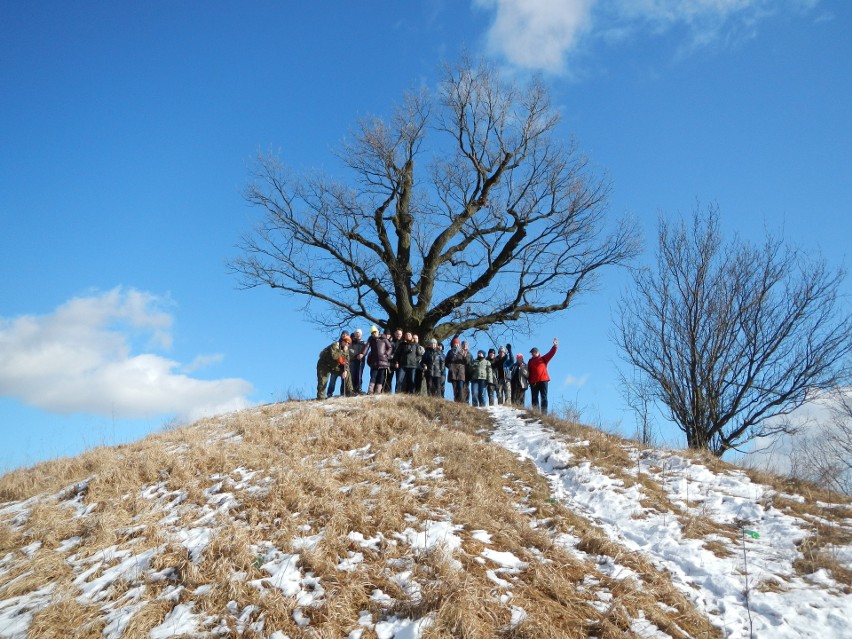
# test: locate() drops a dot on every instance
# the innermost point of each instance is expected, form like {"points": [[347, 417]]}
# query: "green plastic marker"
{"points": [[751, 533]]}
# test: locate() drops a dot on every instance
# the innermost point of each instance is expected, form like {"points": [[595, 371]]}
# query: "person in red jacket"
{"points": [[539, 377]]}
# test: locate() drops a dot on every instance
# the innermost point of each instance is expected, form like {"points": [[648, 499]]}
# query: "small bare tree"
{"points": [[462, 213], [639, 394], [732, 336]]}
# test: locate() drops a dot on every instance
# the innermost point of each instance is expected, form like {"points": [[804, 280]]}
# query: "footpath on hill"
{"points": [[408, 518], [745, 580]]}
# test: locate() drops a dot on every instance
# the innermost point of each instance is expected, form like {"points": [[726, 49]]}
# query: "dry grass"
{"points": [[718, 548], [771, 584], [834, 511], [812, 493], [54, 475], [826, 512], [700, 527], [819, 553], [45, 567], [149, 617], [9, 538], [375, 466], [67, 618], [605, 450]]}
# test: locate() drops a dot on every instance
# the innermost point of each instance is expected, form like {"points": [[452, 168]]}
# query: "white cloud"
{"points": [[681, 10], [705, 21], [540, 34], [814, 421], [79, 359], [536, 34], [201, 362]]}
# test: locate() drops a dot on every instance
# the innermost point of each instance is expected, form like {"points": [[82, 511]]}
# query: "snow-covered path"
{"points": [[782, 604]]}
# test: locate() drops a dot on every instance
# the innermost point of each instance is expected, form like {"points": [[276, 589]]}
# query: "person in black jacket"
{"points": [[406, 358], [491, 386], [357, 362], [501, 364], [444, 374], [456, 364], [433, 369], [519, 376], [395, 373]]}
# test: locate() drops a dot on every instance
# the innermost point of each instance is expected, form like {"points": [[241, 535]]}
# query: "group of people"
{"points": [[399, 363]]}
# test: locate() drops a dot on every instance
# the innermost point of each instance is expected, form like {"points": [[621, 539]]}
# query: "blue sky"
{"points": [[128, 132]]}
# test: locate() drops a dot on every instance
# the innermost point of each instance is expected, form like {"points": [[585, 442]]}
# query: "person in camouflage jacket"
{"points": [[481, 374], [334, 358]]}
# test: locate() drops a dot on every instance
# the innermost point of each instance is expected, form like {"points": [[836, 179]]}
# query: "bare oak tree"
{"points": [[459, 213], [732, 336]]}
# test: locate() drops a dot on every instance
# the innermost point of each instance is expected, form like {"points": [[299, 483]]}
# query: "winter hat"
{"points": [[346, 339], [533, 351], [433, 342], [491, 350], [480, 354], [357, 331], [455, 342], [373, 329], [520, 358]]}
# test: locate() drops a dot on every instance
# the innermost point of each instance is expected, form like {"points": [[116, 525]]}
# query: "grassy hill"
{"points": [[390, 516]]}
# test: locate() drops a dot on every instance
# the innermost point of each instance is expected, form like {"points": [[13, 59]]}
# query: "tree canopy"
{"points": [[460, 212]]}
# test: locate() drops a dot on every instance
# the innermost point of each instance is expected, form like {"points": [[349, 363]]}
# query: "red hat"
{"points": [[520, 357], [455, 342], [346, 338]]}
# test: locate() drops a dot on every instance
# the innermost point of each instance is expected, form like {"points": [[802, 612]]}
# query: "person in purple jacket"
{"points": [[379, 350]]}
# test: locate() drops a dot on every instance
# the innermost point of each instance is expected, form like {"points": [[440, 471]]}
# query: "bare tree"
{"points": [[503, 222], [733, 336], [639, 394]]}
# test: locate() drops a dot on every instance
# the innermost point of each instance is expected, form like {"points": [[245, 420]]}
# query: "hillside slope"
{"points": [[406, 517]]}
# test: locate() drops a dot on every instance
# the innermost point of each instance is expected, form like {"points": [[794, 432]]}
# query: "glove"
{"points": [[344, 374]]}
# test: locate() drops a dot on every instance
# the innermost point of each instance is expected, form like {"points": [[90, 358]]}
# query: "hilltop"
{"points": [[399, 516]]}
